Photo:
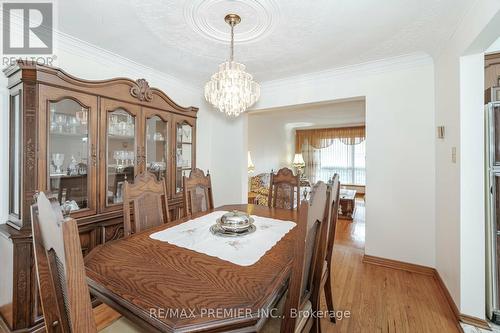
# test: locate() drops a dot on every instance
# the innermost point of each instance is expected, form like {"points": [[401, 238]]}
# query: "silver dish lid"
{"points": [[235, 220]]}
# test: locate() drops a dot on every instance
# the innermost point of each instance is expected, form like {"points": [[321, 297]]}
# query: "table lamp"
{"points": [[298, 163]]}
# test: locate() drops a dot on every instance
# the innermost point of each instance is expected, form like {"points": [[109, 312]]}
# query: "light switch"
{"points": [[454, 154]]}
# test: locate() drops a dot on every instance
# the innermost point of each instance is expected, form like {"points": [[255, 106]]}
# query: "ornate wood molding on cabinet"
{"points": [[80, 140]]}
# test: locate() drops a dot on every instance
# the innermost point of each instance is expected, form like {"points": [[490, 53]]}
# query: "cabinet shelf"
{"points": [[121, 137], [70, 135]]}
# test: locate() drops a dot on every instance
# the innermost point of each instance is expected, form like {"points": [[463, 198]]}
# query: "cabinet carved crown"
{"points": [[141, 90]]}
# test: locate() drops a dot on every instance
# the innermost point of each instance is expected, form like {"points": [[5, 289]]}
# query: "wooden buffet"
{"points": [[80, 140]]}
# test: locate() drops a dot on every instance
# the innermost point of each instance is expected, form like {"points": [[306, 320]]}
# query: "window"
{"points": [[346, 160]]}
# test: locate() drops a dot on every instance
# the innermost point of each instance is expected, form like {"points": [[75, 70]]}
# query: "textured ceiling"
{"points": [[276, 38]]}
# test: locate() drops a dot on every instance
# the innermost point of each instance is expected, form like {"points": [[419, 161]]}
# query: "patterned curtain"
{"points": [[311, 142], [312, 159], [324, 137]]}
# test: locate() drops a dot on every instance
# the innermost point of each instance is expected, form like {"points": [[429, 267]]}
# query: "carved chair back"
{"points": [[334, 213], [197, 192], [284, 189], [150, 203], [310, 245], [64, 293], [332, 221]]}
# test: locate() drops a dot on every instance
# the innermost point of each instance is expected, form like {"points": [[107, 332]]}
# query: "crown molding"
{"points": [[366, 68], [97, 54]]}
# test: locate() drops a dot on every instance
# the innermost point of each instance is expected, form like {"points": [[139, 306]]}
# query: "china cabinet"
{"points": [[81, 140]]}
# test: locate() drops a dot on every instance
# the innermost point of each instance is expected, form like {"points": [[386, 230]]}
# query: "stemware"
{"points": [[60, 121], [58, 160], [116, 156], [73, 123]]}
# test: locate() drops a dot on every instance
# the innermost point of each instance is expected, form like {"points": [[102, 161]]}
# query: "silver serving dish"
{"points": [[218, 231], [235, 221]]}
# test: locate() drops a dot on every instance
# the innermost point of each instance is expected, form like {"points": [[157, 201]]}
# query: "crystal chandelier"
{"points": [[231, 89]]}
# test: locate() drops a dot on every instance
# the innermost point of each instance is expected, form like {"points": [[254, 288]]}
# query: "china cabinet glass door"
{"points": [[121, 153], [68, 151], [157, 143], [184, 150], [71, 151], [120, 150]]}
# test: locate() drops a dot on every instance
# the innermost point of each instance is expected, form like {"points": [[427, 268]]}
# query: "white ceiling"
{"points": [[276, 38]]}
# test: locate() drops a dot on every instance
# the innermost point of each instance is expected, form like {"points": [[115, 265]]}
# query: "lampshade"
{"points": [[251, 166], [298, 160]]}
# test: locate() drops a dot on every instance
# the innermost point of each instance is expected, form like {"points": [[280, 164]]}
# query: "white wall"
{"points": [[460, 241], [89, 62], [271, 133], [400, 155], [472, 226]]}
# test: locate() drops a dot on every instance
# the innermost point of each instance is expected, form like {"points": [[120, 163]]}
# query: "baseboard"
{"points": [[477, 322], [466, 319], [429, 271], [389, 263]]}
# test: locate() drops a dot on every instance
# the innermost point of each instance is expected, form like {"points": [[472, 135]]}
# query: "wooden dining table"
{"points": [[165, 288]]}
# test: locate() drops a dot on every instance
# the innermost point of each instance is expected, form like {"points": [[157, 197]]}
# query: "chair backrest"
{"points": [[197, 192], [284, 189], [310, 228], [150, 203], [334, 213], [64, 293]]}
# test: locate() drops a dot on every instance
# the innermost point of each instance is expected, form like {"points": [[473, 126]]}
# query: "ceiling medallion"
{"points": [[261, 18], [231, 89]]}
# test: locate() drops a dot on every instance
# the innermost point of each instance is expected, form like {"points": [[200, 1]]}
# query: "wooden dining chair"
{"points": [[150, 203], [284, 189], [64, 293], [197, 192], [333, 217], [304, 284]]}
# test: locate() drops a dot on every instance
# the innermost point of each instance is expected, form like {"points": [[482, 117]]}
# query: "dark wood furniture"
{"points": [[333, 217], [117, 128], [198, 195], [284, 189], [148, 196], [170, 277], [347, 204], [307, 277], [64, 293]]}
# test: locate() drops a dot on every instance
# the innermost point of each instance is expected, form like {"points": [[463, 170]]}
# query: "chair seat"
{"points": [[122, 325], [273, 324]]}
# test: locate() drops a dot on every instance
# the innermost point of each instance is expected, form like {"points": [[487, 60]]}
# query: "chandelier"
{"points": [[231, 89]]}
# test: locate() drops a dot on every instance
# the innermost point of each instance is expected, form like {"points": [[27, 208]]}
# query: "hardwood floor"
{"points": [[381, 299], [105, 316]]}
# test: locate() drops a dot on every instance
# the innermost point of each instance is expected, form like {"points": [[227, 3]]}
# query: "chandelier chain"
{"points": [[231, 58]]}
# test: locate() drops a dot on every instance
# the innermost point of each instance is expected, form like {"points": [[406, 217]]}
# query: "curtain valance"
{"points": [[324, 137]]}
